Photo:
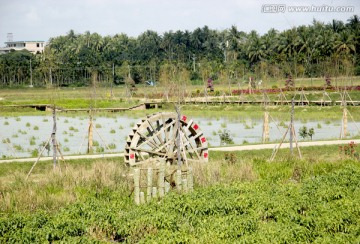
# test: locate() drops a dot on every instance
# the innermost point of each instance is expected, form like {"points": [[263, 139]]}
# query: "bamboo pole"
{"points": [[37, 160]]}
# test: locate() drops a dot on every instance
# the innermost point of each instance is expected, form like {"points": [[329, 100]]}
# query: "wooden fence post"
{"points": [[142, 197], [161, 177], [149, 183], [190, 179], [154, 192], [137, 186], [178, 180]]}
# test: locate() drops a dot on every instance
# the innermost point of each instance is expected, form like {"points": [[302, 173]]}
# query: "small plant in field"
{"points": [[247, 127], [319, 126], [36, 127], [96, 143], [72, 128], [23, 132], [66, 140], [32, 141], [15, 136], [98, 126], [18, 147], [349, 150], [311, 133], [66, 149], [209, 123], [64, 132], [132, 124], [112, 146], [18, 119], [46, 145], [100, 149], [112, 131], [282, 124], [245, 142], [6, 140], [230, 157], [225, 137], [45, 120], [121, 127], [327, 122], [66, 121], [34, 153], [6, 123], [214, 133], [27, 124], [223, 125]]}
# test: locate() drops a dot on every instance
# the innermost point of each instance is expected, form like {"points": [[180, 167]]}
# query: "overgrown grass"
{"points": [[238, 197]]}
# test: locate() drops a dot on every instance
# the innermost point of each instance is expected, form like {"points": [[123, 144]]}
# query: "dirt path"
{"points": [[284, 145], [233, 148]]}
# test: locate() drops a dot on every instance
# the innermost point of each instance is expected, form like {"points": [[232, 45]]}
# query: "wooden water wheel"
{"points": [[155, 137]]}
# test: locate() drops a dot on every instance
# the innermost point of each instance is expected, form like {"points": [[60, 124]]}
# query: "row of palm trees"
{"points": [[315, 50]]}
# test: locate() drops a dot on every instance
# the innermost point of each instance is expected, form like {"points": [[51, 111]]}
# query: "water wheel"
{"points": [[155, 137]]}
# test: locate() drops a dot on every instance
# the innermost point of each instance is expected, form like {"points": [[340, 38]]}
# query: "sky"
{"points": [[43, 19]]}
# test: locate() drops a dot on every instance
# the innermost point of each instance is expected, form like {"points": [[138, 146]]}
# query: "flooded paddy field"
{"points": [[25, 136]]}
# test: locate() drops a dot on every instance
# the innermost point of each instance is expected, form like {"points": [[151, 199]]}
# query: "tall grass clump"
{"points": [[47, 189]]}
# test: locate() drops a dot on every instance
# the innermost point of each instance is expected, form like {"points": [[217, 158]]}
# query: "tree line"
{"points": [[316, 50]]}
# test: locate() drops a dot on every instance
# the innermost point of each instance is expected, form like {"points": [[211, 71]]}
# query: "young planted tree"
{"points": [[304, 132]]}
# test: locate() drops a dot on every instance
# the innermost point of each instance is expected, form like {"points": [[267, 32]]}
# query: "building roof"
{"points": [[23, 41]]}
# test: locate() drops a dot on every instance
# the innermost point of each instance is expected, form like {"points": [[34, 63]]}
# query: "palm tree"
{"points": [[344, 43], [255, 47]]}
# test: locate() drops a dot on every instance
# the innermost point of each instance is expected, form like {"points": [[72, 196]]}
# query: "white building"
{"points": [[32, 46]]}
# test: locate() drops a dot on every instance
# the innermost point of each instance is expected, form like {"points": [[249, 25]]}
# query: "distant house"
{"points": [[32, 46]]}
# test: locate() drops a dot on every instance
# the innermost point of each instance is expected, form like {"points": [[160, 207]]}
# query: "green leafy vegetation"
{"points": [[238, 197], [304, 132], [225, 137]]}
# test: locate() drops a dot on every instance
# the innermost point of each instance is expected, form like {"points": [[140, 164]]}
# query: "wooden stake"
{"points": [[178, 180], [265, 135], [343, 132], [137, 186], [154, 192], [161, 179], [90, 134], [149, 183], [142, 197], [53, 137], [190, 179]]}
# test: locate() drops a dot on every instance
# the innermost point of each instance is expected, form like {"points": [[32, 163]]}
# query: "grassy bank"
{"points": [[239, 196]]}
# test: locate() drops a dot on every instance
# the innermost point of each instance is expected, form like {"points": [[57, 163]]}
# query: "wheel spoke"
{"points": [[156, 136]]}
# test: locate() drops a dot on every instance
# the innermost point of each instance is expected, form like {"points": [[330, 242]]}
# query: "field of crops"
{"points": [[238, 197]]}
